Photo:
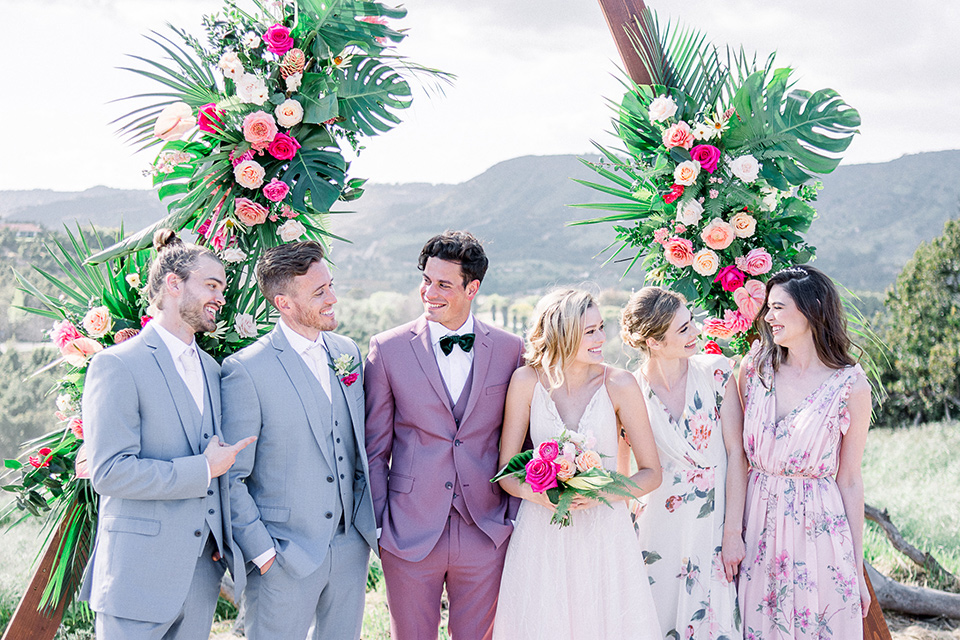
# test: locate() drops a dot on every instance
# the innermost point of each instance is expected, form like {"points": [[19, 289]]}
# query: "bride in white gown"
{"points": [[585, 581]]}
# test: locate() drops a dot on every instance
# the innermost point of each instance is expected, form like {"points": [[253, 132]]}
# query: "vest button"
{"points": [[206, 436], [328, 515], [449, 485], [457, 443], [329, 478], [211, 511], [209, 492], [197, 533], [340, 458], [341, 476], [338, 440]]}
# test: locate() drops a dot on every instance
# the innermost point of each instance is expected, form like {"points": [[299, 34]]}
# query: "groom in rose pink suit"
{"points": [[435, 390]]}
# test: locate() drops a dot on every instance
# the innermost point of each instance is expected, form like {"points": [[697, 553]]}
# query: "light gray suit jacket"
{"points": [[146, 462], [279, 484]]}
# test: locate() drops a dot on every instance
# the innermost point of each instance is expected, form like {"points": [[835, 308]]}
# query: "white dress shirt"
{"points": [[454, 368], [177, 348]]}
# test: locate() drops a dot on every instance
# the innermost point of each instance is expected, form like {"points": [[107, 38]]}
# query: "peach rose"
{"points": [[125, 334], [686, 173], [744, 224], [749, 298], [79, 350], [706, 262], [289, 113], [249, 174], [718, 234], [174, 121], [249, 212], [259, 129], [716, 328], [678, 252], [678, 135], [97, 322], [566, 468], [589, 459]]}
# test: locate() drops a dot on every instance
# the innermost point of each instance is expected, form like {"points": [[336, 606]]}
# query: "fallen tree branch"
{"points": [[918, 601], [933, 568]]}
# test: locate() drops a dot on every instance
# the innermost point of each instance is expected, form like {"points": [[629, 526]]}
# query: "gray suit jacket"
{"points": [[279, 484], [148, 466]]}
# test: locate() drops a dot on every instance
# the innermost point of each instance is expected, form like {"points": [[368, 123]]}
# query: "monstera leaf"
{"points": [[368, 93], [341, 24], [316, 177], [795, 135]]}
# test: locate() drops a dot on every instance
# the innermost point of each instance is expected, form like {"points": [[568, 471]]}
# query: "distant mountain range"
{"points": [[871, 219]]}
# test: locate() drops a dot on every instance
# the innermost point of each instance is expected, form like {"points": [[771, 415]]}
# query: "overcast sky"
{"points": [[533, 77]]}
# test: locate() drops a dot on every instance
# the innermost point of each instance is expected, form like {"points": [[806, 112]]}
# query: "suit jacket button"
{"points": [[211, 511], [329, 478], [197, 533], [209, 492], [328, 515], [457, 443], [449, 485], [206, 435]]}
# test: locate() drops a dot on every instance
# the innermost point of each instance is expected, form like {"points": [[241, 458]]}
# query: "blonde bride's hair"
{"points": [[554, 339]]}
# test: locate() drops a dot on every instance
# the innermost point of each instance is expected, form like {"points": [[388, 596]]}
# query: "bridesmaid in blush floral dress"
{"points": [[806, 415], [691, 527]]}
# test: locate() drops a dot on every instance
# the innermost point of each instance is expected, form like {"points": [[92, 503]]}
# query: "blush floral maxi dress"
{"points": [[799, 577], [680, 524]]}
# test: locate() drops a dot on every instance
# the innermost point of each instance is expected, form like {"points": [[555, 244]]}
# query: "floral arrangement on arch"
{"points": [[251, 125], [720, 170]]}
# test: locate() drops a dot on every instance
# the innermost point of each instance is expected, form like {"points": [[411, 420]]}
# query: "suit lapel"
{"points": [[178, 390], [482, 353], [293, 364], [333, 347], [428, 361], [213, 382]]}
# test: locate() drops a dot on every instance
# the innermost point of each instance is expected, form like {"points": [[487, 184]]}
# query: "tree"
{"points": [[923, 332]]}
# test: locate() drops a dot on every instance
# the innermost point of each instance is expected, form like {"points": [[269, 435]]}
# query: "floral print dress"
{"points": [[680, 524], [799, 577]]}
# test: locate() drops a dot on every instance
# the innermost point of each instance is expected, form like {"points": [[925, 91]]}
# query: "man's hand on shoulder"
{"points": [[221, 456]]}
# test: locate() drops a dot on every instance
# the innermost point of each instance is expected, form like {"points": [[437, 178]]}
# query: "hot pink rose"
{"points": [[204, 228], [278, 40], [678, 252], [219, 240], [716, 328], [259, 128], [718, 234], [40, 460], [758, 262], [348, 380], [76, 428], [541, 475], [675, 192], [730, 278], [678, 135], [707, 155], [548, 450], [210, 118], [144, 320], [79, 350], [249, 212], [283, 147], [63, 332], [749, 298], [710, 346], [276, 190], [236, 158]]}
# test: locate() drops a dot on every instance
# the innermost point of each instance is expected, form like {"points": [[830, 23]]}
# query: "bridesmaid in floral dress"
{"points": [[806, 415], [691, 527]]}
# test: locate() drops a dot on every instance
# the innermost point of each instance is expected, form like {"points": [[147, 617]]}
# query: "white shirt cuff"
{"points": [[264, 558]]}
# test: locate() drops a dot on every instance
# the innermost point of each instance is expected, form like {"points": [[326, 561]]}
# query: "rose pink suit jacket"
{"points": [[415, 448]]}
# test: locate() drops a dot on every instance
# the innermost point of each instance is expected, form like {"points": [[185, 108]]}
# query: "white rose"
{"points": [[702, 132], [251, 40], [230, 65], [64, 403], [233, 255], [770, 199], [245, 325], [690, 213], [746, 168], [174, 121], [252, 89], [293, 81], [291, 230], [686, 172], [289, 113], [662, 108]]}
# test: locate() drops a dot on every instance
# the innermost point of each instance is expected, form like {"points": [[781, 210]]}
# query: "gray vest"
{"points": [[213, 518]]}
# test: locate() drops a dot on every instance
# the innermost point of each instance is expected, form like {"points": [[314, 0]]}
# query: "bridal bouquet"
{"points": [[563, 468], [715, 182]]}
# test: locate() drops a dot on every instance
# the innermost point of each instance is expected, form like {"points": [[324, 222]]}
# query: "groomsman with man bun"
{"points": [[435, 391], [151, 412], [302, 512]]}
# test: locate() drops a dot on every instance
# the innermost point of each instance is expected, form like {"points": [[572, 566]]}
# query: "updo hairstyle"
{"points": [[648, 314]]}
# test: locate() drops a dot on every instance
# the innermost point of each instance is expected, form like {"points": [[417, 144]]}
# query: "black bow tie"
{"points": [[465, 341]]}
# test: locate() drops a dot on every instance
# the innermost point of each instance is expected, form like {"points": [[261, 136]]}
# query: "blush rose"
{"points": [[678, 252], [249, 212]]}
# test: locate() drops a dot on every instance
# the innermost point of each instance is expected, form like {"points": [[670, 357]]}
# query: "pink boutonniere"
{"points": [[345, 368]]}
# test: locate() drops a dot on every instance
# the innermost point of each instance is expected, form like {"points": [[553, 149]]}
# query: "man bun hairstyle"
{"points": [[461, 247], [173, 256], [279, 265]]}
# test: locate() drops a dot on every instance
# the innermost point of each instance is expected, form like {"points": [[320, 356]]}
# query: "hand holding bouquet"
{"points": [[563, 468]]}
